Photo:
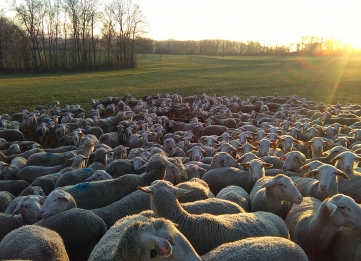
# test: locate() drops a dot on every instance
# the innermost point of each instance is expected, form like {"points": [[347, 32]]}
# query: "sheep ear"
{"points": [[305, 167], [178, 192], [307, 143], [244, 166], [145, 189], [42, 199], [327, 143], [184, 173], [18, 206], [158, 247], [267, 165], [283, 158], [342, 175], [311, 173], [270, 183], [331, 207]]}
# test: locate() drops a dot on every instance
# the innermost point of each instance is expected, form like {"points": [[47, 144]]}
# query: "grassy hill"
{"points": [[331, 80]]}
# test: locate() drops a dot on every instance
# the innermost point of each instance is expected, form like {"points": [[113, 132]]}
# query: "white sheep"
{"points": [[237, 195], [220, 178], [346, 161], [34, 243], [314, 224], [200, 229], [8, 172], [99, 175], [57, 201], [325, 186], [293, 161], [257, 248], [275, 194], [80, 229], [137, 237], [347, 244]]}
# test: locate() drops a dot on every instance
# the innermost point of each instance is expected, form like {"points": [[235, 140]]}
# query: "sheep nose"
{"points": [[348, 167]]}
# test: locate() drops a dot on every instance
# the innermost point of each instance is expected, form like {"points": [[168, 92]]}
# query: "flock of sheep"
{"points": [[182, 178]]}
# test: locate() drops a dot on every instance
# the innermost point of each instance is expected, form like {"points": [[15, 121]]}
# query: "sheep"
{"points": [[237, 195], [196, 153], [346, 245], [30, 173], [99, 175], [332, 153], [223, 159], [138, 201], [220, 178], [199, 188], [8, 172], [28, 207], [317, 144], [137, 238], [80, 229], [32, 190], [26, 154], [8, 223], [165, 204], [191, 171], [275, 194], [85, 193], [5, 199], [257, 248], [35, 243], [323, 187], [318, 222], [57, 201], [47, 182], [46, 159], [13, 186], [120, 167], [312, 165], [11, 135], [346, 161], [293, 161], [12, 150], [79, 175]]}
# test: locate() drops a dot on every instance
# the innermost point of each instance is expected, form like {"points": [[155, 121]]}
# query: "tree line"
{"points": [[70, 35], [85, 35]]}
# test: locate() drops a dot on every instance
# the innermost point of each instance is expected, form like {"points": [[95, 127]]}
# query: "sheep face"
{"points": [[285, 189], [57, 201]]}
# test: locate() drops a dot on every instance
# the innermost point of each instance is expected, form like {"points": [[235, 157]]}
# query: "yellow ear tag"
{"points": [[245, 167], [154, 254], [179, 194], [184, 173]]}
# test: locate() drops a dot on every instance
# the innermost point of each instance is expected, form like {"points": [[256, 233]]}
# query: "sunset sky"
{"points": [[269, 22]]}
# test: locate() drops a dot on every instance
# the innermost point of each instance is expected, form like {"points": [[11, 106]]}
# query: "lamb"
{"points": [[121, 167], [227, 227], [80, 229], [8, 172], [57, 201], [138, 201], [318, 222], [257, 248], [85, 193], [275, 195], [323, 187], [220, 178], [237, 195], [137, 238], [28, 240]]}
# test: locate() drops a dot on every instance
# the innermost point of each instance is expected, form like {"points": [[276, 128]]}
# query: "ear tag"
{"points": [[184, 173], [154, 254], [179, 194], [245, 167]]}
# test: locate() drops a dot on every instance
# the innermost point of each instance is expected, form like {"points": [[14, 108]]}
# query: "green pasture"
{"points": [[330, 79]]}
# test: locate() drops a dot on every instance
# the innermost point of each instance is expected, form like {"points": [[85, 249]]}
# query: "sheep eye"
{"points": [[60, 198], [280, 185], [342, 207], [348, 209]]}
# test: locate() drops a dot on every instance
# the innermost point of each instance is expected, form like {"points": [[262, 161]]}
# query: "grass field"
{"points": [[330, 80]]}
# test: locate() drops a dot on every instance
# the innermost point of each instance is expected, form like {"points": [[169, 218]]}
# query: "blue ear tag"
{"points": [[154, 254]]}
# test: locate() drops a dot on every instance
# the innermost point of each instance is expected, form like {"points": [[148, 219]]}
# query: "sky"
{"points": [[268, 22]]}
